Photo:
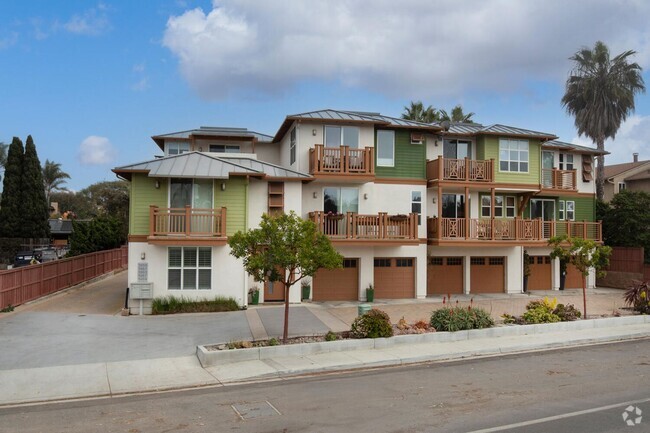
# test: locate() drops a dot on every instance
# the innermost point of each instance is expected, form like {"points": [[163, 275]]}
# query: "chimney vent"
{"points": [[635, 156]]}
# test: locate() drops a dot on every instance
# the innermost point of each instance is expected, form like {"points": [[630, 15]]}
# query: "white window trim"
{"points": [[621, 184], [340, 188], [341, 128], [560, 210], [293, 139], [182, 268], [509, 160], [383, 162], [225, 147], [504, 207], [177, 145], [420, 202], [169, 193], [564, 161], [573, 211]]}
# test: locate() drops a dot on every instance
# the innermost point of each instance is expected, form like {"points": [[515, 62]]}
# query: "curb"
{"points": [[210, 358]]}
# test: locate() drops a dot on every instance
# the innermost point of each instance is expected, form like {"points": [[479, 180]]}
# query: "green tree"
{"points": [[584, 254], [416, 111], [457, 115], [284, 249], [600, 95], [11, 212], [626, 221], [53, 178], [98, 234], [35, 210], [4, 148]]}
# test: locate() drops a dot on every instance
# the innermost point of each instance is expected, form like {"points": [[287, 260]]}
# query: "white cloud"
{"points": [[8, 40], [416, 48], [140, 67], [632, 137], [141, 85], [91, 22], [95, 150]]}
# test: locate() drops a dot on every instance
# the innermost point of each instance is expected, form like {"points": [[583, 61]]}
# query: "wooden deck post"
{"points": [[152, 216], [439, 222], [467, 210], [441, 169], [492, 195], [467, 160], [188, 215], [222, 228]]}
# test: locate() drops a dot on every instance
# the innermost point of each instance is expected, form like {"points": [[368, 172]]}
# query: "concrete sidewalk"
{"points": [[126, 377]]}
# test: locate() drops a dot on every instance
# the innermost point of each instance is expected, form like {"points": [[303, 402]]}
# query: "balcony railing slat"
{"points": [[341, 160], [462, 170], [355, 226], [187, 222]]}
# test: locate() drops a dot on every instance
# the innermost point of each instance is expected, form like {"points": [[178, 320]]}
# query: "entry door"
{"points": [[544, 209], [457, 149], [453, 206], [273, 291], [547, 168]]}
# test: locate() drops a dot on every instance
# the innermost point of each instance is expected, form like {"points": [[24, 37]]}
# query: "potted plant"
{"points": [[398, 217], [306, 289], [370, 293], [254, 294], [526, 270]]}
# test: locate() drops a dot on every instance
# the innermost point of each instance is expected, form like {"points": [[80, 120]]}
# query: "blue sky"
{"points": [[93, 81]]}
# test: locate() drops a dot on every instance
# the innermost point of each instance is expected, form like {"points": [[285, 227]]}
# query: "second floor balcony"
{"points": [[380, 227], [559, 179], [511, 229], [461, 170], [186, 224], [341, 161]]}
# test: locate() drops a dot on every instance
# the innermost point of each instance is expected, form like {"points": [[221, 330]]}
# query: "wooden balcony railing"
{"points": [[342, 160], [509, 229], [187, 222], [354, 226], [559, 179], [460, 169]]}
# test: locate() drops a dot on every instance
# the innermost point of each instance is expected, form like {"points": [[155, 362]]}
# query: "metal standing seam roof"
{"points": [[477, 129], [217, 132], [575, 147], [206, 165]]}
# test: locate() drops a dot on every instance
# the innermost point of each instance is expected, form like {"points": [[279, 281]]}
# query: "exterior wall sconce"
{"points": [[315, 195], [223, 186], [313, 132], [143, 255], [365, 196], [157, 184], [434, 200]]}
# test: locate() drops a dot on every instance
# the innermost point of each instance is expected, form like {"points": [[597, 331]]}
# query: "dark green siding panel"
{"points": [[234, 199], [585, 207], [144, 194], [410, 159], [480, 148]]}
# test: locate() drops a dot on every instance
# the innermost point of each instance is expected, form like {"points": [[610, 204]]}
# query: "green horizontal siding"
{"points": [[143, 195], [234, 199], [585, 207], [488, 148], [410, 159]]}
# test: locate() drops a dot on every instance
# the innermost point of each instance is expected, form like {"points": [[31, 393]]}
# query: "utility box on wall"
{"points": [[141, 290]]}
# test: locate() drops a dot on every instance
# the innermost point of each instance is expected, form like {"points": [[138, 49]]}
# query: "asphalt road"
{"points": [[578, 390]]}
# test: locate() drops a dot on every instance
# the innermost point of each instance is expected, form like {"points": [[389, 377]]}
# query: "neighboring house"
{"points": [[60, 231], [634, 176], [415, 209]]}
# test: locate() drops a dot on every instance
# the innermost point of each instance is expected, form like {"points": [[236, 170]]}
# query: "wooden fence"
{"points": [[27, 283], [626, 259]]}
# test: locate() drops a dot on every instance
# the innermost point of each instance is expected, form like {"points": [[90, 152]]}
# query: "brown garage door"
{"points": [[394, 278], [340, 284], [573, 278], [445, 275], [540, 273], [487, 274]]}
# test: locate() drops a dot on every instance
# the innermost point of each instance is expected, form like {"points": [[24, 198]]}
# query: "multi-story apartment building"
{"points": [[416, 209]]}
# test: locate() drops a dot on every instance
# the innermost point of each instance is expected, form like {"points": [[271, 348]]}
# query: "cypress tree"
{"points": [[11, 209], [35, 208]]}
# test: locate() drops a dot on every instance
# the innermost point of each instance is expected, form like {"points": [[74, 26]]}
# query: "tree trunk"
{"points": [[600, 169], [584, 297], [285, 335]]}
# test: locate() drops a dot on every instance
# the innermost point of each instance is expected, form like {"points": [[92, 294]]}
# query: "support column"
{"points": [[439, 212], [492, 195], [467, 208]]}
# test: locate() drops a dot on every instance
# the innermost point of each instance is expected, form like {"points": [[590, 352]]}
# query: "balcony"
{"points": [[486, 229], [342, 161], [187, 225], [460, 170], [559, 179], [380, 228]]}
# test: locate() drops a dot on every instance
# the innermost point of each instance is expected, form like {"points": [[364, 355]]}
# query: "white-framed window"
{"points": [[502, 204], [416, 204], [225, 148], [570, 210], [196, 193], [621, 186], [338, 200], [385, 148], [560, 210], [189, 268], [513, 155], [292, 146], [566, 161], [336, 136], [177, 147]]}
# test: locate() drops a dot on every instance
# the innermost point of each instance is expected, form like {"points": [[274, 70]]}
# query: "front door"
{"points": [[547, 169], [544, 209]]}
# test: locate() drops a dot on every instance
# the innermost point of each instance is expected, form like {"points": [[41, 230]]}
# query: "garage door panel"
{"points": [[573, 278], [394, 278], [540, 277], [340, 284], [445, 275], [487, 274]]}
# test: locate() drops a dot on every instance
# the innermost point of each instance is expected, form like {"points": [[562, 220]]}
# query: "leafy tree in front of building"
{"points": [[626, 220], [35, 209], [100, 233], [11, 210]]}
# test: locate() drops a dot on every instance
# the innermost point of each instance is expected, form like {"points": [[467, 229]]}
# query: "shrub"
{"points": [[330, 336], [421, 324], [172, 304], [273, 342], [373, 324], [567, 313], [460, 318], [638, 297], [541, 311]]}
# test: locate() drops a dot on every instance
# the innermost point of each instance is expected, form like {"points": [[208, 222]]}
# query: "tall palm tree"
{"points": [[54, 178], [417, 112], [600, 95], [457, 115]]}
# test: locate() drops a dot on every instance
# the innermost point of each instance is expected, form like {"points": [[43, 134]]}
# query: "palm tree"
{"points": [[418, 113], [600, 95], [457, 115], [53, 178]]}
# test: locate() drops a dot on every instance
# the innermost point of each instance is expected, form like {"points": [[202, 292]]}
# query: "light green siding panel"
{"points": [[410, 159], [491, 151], [480, 148], [234, 199], [585, 207], [144, 194]]}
